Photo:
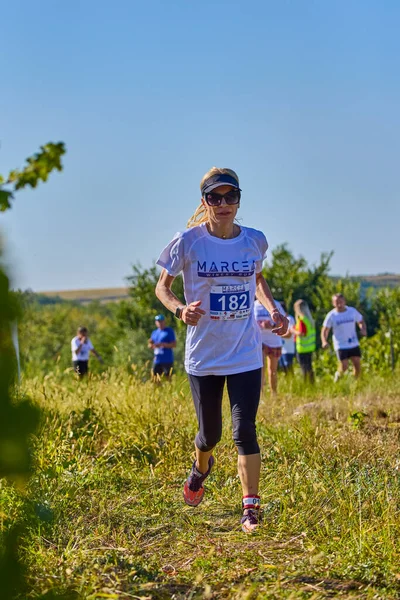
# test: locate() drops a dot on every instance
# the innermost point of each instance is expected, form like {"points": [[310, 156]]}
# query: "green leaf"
{"points": [[13, 176], [5, 198]]}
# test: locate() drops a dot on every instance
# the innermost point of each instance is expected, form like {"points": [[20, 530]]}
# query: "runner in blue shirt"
{"points": [[162, 341]]}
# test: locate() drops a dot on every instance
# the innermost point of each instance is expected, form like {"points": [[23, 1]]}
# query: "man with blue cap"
{"points": [[162, 341]]}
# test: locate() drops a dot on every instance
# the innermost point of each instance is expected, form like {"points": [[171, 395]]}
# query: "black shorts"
{"points": [[348, 353], [244, 396], [81, 367], [163, 369]]}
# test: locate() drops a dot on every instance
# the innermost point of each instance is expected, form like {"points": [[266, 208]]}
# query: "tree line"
{"points": [[120, 330]]}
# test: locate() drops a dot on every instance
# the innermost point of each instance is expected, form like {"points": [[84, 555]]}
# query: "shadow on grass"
{"points": [[68, 595], [331, 585]]}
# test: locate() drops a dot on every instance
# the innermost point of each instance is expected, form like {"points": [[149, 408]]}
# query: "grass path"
{"points": [[107, 518]]}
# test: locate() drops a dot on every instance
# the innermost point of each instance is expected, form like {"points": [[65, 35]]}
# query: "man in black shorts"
{"points": [[81, 347], [343, 320], [162, 342]]}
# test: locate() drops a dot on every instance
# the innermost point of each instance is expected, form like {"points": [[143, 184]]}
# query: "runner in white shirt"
{"points": [[221, 263], [81, 347], [288, 344], [271, 344], [343, 321]]}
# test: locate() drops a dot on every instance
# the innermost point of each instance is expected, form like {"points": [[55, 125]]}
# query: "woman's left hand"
{"points": [[281, 321]]}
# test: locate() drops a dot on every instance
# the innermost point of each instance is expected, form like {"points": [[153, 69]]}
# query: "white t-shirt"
{"points": [[84, 351], [222, 274], [289, 344], [343, 327], [262, 314]]}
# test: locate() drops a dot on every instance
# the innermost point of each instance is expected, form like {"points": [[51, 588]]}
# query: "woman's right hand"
{"points": [[192, 313]]}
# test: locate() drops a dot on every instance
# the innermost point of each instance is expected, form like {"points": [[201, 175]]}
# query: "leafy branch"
{"points": [[38, 168], [19, 418]]}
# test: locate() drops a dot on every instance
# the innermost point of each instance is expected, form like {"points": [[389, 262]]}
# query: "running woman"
{"points": [[343, 320], [221, 264], [271, 345]]}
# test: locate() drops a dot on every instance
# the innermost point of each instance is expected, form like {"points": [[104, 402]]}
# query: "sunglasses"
{"points": [[214, 199]]}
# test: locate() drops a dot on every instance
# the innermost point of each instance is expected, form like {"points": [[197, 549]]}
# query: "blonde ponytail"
{"points": [[301, 309], [200, 216]]}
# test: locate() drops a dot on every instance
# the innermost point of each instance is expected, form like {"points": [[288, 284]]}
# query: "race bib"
{"points": [[230, 302]]}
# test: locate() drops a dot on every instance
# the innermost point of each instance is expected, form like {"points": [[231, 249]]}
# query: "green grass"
{"points": [[106, 517]]}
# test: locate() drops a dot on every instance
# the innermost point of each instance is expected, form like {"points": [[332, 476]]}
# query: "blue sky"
{"points": [[301, 98]]}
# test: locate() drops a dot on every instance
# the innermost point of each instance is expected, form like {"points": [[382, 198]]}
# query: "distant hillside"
{"points": [[379, 281], [86, 296], [376, 281], [117, 294]]}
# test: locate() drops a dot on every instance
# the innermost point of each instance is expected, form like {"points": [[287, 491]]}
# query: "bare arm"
{"points": [[297, 331], [363, 328], [324, 336], [191, 313], [289, 333], [168, 344], [97, 355], [80, 345], [264, 295]]}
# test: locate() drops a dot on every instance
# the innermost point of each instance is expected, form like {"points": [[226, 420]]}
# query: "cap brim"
{"points": [[213, 186]]}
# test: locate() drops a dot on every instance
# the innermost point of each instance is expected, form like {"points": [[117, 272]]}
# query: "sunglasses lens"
{"points": [[213, 199], [233, 197]]}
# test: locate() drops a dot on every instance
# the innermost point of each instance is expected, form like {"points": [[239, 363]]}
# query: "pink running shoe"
{"points": [[250, 520], [193, 490]]}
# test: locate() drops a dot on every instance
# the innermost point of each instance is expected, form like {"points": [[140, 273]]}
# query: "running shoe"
{"points": [[250, 520], [193, 490]]}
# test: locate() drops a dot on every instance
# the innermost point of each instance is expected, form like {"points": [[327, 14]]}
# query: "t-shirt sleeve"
{"points": [[262, 246], [172, 258], [74, 344], [327, 321], [90, 345], [358, 316], [171, 336]]}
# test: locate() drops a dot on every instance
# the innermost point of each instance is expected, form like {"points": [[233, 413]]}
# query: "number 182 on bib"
{"points": [[230, 302]]}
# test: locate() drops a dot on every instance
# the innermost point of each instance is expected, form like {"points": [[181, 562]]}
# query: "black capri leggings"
{"points": [[244, 396]]}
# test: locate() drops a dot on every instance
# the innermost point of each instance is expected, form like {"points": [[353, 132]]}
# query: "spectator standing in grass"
{"points": [[162, 341], [288, 344], [221, 262], [343, 321], [81, 347], [305, 338], [271, 344]]}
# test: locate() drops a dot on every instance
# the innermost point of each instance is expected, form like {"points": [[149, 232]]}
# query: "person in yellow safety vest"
{"points": [[305, 338]]}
